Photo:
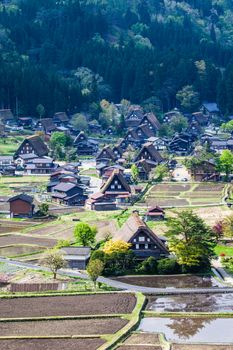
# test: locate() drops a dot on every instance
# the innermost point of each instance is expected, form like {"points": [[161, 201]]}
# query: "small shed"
{"points": [[77, 257], [21, 206], [155, 214]]}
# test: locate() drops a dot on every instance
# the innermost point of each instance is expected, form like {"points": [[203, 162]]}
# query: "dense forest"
{"points": [[70, 54]]}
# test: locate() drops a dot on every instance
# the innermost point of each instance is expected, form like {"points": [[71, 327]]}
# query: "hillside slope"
{"points": [[133, 49]]}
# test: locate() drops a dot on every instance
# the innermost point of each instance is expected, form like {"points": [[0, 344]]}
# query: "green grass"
{"points": [[228, 251], [9, 145]]}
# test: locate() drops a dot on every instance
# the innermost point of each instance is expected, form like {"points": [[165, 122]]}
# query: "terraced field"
{"points": [[184, 195], [67, 322]]}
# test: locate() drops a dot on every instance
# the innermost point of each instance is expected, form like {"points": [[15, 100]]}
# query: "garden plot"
{"points": [[62, 327], [70, 322], [184, 195], [7, 240], [67, 305], [55, 228], [52, 344], [19, 250]]}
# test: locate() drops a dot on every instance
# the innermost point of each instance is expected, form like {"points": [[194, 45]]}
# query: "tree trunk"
{"points": [[55, 275]]}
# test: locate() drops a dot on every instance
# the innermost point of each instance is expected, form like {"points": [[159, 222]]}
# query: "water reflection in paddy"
{"points": [[191, 330], [192, 303]]}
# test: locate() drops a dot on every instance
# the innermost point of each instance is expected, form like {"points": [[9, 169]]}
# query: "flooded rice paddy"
{"points": [[192, 303], [191, 330]]}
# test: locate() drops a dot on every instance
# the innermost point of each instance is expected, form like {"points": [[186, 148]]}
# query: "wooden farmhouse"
{"points": [[144, 242], [32, 145], [150, 154]]}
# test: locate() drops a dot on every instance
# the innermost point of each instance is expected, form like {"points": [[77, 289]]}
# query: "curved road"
{"points": [[124, 286]]}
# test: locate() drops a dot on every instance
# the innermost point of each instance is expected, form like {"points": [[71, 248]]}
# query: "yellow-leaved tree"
{"points": [[117, 246]]}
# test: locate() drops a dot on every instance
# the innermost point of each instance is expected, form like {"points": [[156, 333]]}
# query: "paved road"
{"points": [[125, 286]]}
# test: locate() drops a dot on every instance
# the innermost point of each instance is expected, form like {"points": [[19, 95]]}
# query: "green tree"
{"points": [[43, 209], [135, 173], [79, 122], [160, 172], [179, 123], [227, 127], [84, 234], [227, 225], [59, 139], [54, 260], [190, 239], [95, 269], [188, 98], [226, 162], [40, 110]]}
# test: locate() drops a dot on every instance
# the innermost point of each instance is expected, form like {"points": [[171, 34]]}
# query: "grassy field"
{"points": [[10, 185], [10, 144], [184, 194], [222, 249]]}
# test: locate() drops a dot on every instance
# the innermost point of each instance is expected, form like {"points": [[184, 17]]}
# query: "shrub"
{"points": [[168, 266], [147, 266], [98, 254]]}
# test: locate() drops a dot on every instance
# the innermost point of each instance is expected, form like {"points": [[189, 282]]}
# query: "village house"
{"points": [[69, 194], [201, 119], [95, 128], [218, 145], [106, 155], [210, 109], [117, 151], [134, 117], [116, 187], [40, 166], [171, 115], [108, 170], [155, 214], [205, 171], [21, 206], [84, 145], [159, 143], [32, 145], [6, 161], [113, 193], [181, 144], [46, 125], [6, 116], [61, 119], [131, 138], [144, 242], [144, 169], [25, 122], [144, 132], [150, 154], [62, 175], [99, 202], [152, 122], [76, 257]]}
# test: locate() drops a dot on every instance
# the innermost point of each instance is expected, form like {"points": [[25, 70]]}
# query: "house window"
{"points": [[119, 187], [146, 246], [141, 239], [112, 187], [115, 182], [135, 240], [148, 239], [137, 246]]}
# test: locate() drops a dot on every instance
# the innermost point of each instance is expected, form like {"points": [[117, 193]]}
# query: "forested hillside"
{"points": [[67, 54]]}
